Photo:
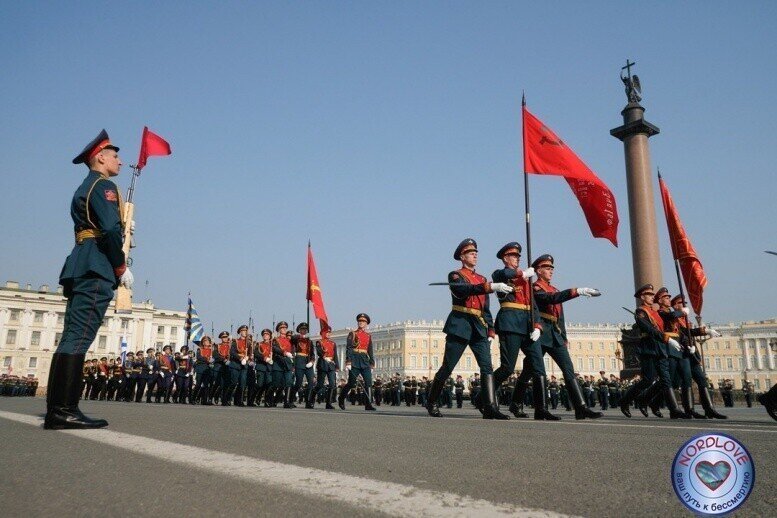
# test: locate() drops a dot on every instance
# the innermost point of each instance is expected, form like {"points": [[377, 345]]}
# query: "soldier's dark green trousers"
{"points": [[509, 345], [87, 301]]}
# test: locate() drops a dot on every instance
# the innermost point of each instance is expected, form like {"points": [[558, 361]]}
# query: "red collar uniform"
{"points": [[326, 350], [303, 352], [470, 316], [549, 301], [358, 352], [280, 346]]}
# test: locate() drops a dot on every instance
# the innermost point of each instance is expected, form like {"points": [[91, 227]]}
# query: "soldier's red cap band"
{"points": [[544, 263], [99, 147]]}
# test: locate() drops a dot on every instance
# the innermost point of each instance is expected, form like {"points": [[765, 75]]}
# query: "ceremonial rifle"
{"points": [[124, 295]]}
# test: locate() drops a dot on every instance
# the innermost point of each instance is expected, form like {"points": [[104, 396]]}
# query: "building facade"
{"points": [[31, 322]]}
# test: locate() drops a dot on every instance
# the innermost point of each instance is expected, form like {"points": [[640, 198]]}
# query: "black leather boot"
{"points": [[581, 409], [645, 399], [541, 400], [368, 398], [310, 399], [671, 404], [434, 394], [288, 402], [516, 405], [63, 393], [706, 403], [330, 395], [341, 398], [687, 400], [490, 405]]}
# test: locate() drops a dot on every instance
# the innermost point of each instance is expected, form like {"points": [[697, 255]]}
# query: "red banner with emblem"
{"points": [[683, 251], [314, 292], [545, 153], [151, 145]]}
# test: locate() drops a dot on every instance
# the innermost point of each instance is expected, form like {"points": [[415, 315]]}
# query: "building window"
{"points": [[124, 324], [37, 317], [590, 346], [469, 362], [6, 362], [602, 364], [160, 330], [707, 362], [412, 343], [434, 361], [425, 343], [57, 339], [399, 362], [768, 383], [579, 364], [730, 363], [436, 343], [613, 364], [547, 363], [35, 339], [741, 364], [174, 330], [159, 346], [60, 318], [10, 338], [423, 361], [14, 316], [757, 384], [601, 346], [413, 361], [717, 364], [102, 341], [33, 363], [590, 364]]}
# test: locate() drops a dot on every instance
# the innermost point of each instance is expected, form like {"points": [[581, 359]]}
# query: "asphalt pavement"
{"points": [[166, 459]]}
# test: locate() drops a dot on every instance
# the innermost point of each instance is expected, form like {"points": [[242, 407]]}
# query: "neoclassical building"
{"points": [[31, 322]]}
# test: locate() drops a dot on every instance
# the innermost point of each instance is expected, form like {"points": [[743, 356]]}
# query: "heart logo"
{"points": [[713, 475]]}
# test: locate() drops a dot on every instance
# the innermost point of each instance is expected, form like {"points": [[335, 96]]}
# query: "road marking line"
{"points": [[359, 492]]}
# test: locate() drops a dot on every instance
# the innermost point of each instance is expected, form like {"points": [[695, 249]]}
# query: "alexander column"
{"points": [[634, 134]]}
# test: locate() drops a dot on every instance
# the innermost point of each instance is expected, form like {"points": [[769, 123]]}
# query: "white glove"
{"points": [[127, 279], [243, 361], [308, 365], [288, 355], [500, 287], [535, 335], [132, 226], [528, 273], [714, 333], [187, 375], [226, 362], [685, 310], [674, 344], [588, 292], [348, 367], [490, 340], [268, 359], [692, 349]]}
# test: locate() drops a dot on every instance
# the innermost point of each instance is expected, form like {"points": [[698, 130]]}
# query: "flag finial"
{"points": [[523, 98]]}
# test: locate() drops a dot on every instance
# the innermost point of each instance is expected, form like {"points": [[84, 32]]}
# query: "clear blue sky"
{"points": [[385, 132]]}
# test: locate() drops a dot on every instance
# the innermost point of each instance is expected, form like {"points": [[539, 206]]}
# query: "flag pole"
{"points": [[307, 293], [526, 204], [691, 340]]}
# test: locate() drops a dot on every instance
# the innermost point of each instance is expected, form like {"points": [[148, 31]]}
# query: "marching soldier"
{"points": [[238, 360], [103, 372], [203, 372], [377, 386], [139, 374], [327, 366], [691, 368], [459, 388], [263, 367], [93, 270], [469, 323], [304, 358], [152, 373], [166, 369], [514, 320], [553, 388], [222, 378], [447, 391], [183, 374], [553, 341], [359, 361], [114, 379], [408, 385], [653, 358], [283, 363]]}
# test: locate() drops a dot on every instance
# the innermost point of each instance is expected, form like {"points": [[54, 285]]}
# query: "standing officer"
{"points": [[139, 373], [327, 366], [203, 371], [359, 361], [95, 267], [459, 388], [183, 374], [150, 371], [653, 357], [238, 360], [166, 369], [553, 388], [469, 323], [304, 358], [283, 363], [514, 320], [553, 341]]}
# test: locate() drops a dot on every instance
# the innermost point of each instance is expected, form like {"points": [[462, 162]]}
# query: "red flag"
{"points": [[683, 251], [546, 153], [151, 145], [314, 292]]}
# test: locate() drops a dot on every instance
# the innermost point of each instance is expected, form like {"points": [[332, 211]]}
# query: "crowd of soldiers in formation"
{"points": [[15, 386], [139, 375]]}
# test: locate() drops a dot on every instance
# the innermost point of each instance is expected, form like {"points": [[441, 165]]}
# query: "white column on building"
{"points": [[758, 357], [746, 347], [769, 354]]}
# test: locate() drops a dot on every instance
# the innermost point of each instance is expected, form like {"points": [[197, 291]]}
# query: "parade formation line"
{"points": [[360, 492]]}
